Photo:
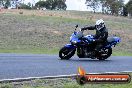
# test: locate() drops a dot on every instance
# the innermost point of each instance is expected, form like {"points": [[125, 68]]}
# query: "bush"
{"points": [[24, 6]]}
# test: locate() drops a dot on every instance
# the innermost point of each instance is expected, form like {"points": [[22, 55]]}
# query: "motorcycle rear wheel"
{"points": [[106, 54]]}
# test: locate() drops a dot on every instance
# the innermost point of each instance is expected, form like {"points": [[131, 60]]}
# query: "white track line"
{"points": [[33, 78]]}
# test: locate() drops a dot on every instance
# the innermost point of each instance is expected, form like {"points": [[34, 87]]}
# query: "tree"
{"points": [[102, 3], [114, 7], [29, 4], [129, 7], [124, 12], [24, 6], [49, 4], [59, 5], [5, 3], [9, 3], [52, 4], [40, 4], [94, 4], [1, 2]]}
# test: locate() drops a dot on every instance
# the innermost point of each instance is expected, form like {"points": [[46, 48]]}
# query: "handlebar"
{"points": [[76, 26]]}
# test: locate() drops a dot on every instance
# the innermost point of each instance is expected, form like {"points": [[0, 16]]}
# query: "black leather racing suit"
{"points": [[100, 36]]}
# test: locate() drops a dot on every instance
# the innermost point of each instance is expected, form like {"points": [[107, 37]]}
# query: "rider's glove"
{"points": [[82, 29]]}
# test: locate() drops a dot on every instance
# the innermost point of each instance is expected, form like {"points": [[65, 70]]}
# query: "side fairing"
{"points": [[70, 46], [112, 41], [74, 37]]}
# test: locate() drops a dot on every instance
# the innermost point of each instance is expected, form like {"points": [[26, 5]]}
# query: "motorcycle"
{"points": [[85, 48]]}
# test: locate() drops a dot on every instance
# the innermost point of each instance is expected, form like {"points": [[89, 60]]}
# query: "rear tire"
{"points": [[107, 54], [66, 53]]}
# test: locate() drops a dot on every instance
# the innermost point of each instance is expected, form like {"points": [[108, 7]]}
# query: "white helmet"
{"points": [[99, 24]]}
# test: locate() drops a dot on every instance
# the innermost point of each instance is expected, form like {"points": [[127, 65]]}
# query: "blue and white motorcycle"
{"points": [[85, 48]]}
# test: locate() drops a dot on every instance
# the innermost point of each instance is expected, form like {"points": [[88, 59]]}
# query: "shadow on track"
{"points": [[86, 60]]}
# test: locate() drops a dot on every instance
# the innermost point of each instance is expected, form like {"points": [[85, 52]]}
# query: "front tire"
{"points": [[66, 53]]}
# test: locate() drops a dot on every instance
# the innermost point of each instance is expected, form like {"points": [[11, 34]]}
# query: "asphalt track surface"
{"points": [[36, 65]]}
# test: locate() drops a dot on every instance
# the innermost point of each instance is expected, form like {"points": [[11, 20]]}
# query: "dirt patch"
{"points": [[57, 32]]}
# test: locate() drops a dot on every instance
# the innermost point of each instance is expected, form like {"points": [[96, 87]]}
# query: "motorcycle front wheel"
{"points": [[66, 53]]}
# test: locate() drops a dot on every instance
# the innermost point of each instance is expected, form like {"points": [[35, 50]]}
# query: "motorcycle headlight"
{"points": [[74, 42]]}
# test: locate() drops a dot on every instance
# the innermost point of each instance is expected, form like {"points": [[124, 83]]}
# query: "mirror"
{"points": [[76, 26]]}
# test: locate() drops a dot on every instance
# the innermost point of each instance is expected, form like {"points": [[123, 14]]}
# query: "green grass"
{"points": [[52, 20], [46, 34], [60, 83], [6, 85], [98, 86], [119, 53], [53, 51], [32, 51]]}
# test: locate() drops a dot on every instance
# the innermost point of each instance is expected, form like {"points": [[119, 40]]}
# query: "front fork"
{"points": [[70, 47]]}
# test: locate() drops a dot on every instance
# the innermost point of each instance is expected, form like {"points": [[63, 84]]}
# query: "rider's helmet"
{"points": [[99, 24]]}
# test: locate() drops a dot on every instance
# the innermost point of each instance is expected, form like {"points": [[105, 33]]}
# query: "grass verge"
{"points": [[53, 51], [31, 51], [60, 83], [44, 32], [119, 53]]}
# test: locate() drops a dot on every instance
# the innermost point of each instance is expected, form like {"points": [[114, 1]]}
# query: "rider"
{"points": [[101, 34]]}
